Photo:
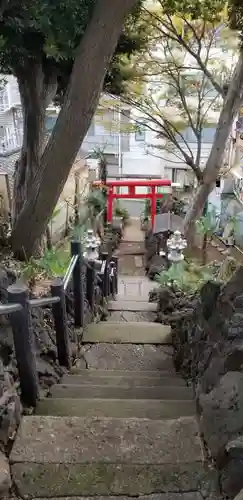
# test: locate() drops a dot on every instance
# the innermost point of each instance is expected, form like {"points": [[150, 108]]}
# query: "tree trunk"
{"points": [[204, 249], [230, 108], [35, 92], [93, 57]]}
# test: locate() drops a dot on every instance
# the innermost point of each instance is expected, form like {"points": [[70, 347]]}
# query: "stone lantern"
{"points": [[91, 246], [176, 244]]}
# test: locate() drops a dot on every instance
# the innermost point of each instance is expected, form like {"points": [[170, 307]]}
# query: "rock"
{"points": [[156, 265], [235, 326], [209, 294], [238, 303], [222, 413], [239, 496], [10, 414], [5, 478], [231, 478], [4, 283]]}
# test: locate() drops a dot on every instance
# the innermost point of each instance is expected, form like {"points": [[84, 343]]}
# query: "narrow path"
{"points": [[123, 423]]}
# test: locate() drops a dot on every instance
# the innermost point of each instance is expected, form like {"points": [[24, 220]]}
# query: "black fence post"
{"points": [[24, 344], [115, 260], [106, 284], [90, 284], [112, 278], [78, 289], [103, 168], [60, 321]]}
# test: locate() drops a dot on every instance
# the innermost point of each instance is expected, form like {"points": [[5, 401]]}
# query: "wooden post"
{"points": [[90, 285], [106, 284], [78, 288], [60, 321], [115, 260], [24, 344]]}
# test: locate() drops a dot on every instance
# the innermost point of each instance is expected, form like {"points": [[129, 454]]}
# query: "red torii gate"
{"points": [[131, 184]]}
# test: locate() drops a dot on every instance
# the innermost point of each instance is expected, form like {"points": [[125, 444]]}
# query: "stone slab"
{"points": [[90, 377], [129, 357], [128, 316], [72, 479], [116, 408], [112, 440], [112, 392], [134, 296], [138, 261], [160, 496], [135, 306], [127, 333]]}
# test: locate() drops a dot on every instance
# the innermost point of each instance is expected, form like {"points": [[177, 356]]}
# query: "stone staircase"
{"points": [[122, 423]]}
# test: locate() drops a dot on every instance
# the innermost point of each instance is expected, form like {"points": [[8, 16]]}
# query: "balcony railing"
{"points": [[109, 143], [11, 142], [238, 186]]}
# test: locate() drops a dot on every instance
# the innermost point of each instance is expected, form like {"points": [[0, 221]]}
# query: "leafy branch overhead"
{"points": [[49, 33], [180, 79]]}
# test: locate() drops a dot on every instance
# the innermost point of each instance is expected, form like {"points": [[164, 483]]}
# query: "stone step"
{"points": [[113, 392], [127, 332], [103, 356], [131, 297], [152, 409], [162, 496], [134, 306], [73, 456], [135, 375], [99, 377]]}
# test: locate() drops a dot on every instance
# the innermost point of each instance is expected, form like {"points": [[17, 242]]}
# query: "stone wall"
{"points": [[208, 339]]}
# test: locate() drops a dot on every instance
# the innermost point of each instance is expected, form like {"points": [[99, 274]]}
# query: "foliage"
{"points": [[207, 224], [179, 92], [96, 201], [189, 276], [120, 211], [177, 206], [52, 264], [185, 276], [33, 31]]}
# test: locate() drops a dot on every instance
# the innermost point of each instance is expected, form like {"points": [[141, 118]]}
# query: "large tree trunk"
{"points": [[93, 57], [36, 91], [230, 108]]}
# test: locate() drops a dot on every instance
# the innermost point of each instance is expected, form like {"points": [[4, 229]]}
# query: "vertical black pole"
{"points": [[106, 287], [115, 260], [24, 344], [112, 278], [90, 284], [78, 289], [60, 321], [103, 168]]}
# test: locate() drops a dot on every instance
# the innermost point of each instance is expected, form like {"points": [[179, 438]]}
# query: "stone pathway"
{"points": [[122, 424]]}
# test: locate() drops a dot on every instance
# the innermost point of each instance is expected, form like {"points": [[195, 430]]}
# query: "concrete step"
{"points": [[99, 377], [128, 374], [152, 409], [127, 332], [113, 392], [131, 297], [134, 306], [54, 457], [103, 356], [162, 496]]}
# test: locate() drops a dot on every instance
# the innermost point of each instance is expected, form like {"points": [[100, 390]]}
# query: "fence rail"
{"points": [[102, 272]]}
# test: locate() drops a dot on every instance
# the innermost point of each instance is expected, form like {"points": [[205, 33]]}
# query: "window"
{"points": [[208, 134], [140, 135], [50, 122]]}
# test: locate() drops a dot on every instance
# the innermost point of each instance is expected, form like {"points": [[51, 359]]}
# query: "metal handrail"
{"points": [[43, 301], [9, 308], [69, 271]]}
